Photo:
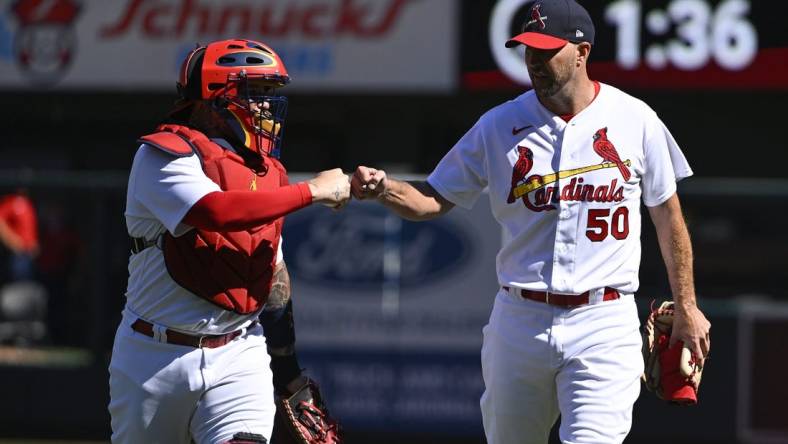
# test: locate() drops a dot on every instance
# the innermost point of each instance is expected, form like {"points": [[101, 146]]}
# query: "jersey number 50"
{"points": [[598, 226]]}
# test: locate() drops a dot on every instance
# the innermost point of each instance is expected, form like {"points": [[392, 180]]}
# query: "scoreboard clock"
{"points": [[686, 34], [646, 43]]}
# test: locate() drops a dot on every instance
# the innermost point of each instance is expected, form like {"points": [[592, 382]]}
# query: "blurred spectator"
{"points": [[18, 235], [23, 302]]}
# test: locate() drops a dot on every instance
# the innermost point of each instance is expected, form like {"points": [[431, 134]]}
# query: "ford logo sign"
{"points": [[365, 245]]}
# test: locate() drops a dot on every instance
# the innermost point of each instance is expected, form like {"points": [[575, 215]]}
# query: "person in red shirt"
{"points": [[18, 234]]}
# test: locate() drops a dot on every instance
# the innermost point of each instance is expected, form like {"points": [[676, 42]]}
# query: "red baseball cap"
{"points": [[551, 24]]}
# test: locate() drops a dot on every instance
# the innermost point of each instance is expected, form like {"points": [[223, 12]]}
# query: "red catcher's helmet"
{"points": [[241, 78]]}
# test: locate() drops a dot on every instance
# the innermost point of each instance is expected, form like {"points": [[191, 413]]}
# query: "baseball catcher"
{"points": [[673, 373], [206, 343]]}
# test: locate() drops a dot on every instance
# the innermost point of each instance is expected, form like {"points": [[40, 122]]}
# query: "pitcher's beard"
{"points": [[546, 87]]}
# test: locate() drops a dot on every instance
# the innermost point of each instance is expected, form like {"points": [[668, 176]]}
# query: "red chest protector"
{"points": [[232, 269]]}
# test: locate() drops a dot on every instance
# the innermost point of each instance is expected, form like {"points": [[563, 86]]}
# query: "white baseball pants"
{"points": [[540, 360], [169, 394]]}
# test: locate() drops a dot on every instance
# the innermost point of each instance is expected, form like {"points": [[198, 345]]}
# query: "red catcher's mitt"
{"points": [[305, 418], [672, 373]]}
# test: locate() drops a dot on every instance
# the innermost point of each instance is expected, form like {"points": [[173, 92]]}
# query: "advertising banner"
{"points": [[327, 45], [389, 313]]}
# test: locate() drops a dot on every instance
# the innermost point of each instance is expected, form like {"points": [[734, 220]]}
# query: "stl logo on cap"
{"points": [[536, 17]]}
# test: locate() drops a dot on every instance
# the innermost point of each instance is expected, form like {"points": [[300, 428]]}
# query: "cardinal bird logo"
{"points": [[536, 16], [604, 147], [521, 168]]}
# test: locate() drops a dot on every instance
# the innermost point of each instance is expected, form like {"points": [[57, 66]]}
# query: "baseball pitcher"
{"points": [[567, 165]]}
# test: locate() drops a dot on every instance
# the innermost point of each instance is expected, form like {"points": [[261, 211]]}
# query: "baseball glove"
{"points": [[304, 419], [673, 373]]}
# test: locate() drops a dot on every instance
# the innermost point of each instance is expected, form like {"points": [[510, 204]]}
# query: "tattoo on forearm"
{"points": [[280, 288]]}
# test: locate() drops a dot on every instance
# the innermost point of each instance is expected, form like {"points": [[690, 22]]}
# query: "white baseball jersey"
{"points": [[567, 193], [162, 188], [168, 393]]}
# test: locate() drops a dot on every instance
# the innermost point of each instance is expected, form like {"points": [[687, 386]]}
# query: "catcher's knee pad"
{"points": [[247, 438], [278, 325]]}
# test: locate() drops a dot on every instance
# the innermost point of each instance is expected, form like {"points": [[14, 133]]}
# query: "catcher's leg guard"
{"points": [[247, 438]]}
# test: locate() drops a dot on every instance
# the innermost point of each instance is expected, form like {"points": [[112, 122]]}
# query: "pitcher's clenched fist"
{"points": [[330, 188], [368, 183]]}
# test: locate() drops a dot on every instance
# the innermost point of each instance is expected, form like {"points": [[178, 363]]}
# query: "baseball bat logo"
{"points": [[539, 192]]}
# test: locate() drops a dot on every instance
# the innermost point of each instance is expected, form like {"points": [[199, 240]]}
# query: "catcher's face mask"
{"points": [[254, 113], [240, 78]]}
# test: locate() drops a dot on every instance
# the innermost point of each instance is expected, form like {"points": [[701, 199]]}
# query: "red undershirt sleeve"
{"points": [[237, 210]]}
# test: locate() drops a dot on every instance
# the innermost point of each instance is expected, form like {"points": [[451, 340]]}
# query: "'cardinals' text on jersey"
{"points": [[567, 193]]}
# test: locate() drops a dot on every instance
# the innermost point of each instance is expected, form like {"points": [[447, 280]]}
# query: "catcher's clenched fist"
{"points": [[330, 188]]}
